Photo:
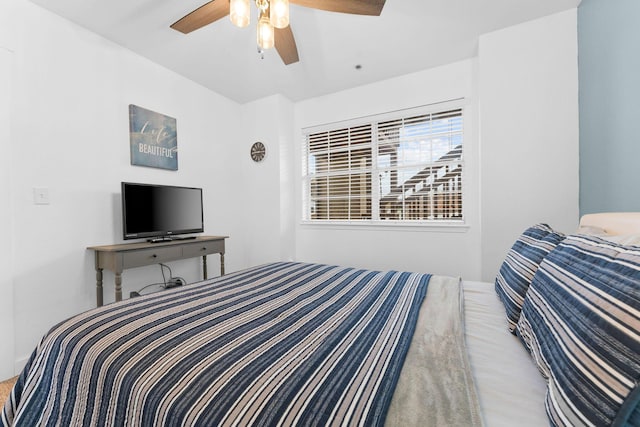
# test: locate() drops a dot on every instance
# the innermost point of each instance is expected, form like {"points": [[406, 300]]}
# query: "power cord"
{"points": [[164, 279], [173, 282], [138, 293]]}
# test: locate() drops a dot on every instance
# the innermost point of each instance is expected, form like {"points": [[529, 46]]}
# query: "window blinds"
{"points": [[388, 169]]}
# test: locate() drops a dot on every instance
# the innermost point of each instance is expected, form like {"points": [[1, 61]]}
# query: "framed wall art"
{"points": [[153, 138]]}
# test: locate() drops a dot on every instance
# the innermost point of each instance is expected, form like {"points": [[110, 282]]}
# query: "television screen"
{"points": [[160, 210]]}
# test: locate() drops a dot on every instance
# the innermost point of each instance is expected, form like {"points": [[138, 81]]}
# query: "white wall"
{"points": [[6, 243], [416, 249], [69, 133], [266, 191], [528, 90]]}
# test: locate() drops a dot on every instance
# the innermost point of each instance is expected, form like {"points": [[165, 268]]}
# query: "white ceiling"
{"points": [[409, 36]]}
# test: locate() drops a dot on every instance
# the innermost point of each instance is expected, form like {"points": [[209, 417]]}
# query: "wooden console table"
{"points": [[117, 258]]}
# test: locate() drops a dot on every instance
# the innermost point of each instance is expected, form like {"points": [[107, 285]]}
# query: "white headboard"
{"points": [[613, 223]]}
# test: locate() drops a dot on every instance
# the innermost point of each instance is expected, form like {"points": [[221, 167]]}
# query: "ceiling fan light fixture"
{"points": [[279, 10], [240, 12], [266, 36], [273, 29]]}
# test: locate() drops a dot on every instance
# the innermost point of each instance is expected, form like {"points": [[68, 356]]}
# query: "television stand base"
{"points": [[170, 239], [159, 239], [183, 237]]}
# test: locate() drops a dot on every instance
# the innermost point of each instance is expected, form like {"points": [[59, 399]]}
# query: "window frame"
{"points": [[457, 224]]}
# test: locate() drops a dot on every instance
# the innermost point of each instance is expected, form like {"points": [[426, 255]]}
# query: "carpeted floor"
{"points": [[5, 390]]}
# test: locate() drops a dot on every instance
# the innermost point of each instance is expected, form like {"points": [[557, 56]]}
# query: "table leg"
{"points": [[99, 287], [118, 286], [204, 267], [222, 263]]}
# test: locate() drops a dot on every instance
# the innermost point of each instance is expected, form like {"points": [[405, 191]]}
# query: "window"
{"points": [[405, 167]]}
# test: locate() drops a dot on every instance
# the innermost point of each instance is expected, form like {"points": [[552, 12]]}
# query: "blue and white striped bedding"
{"points": [[520, 265], [581, 323], [283, 343]]}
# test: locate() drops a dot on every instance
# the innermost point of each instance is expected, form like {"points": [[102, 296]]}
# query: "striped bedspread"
{"points": [[278, 344]]}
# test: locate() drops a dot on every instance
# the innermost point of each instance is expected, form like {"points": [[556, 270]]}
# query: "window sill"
{"points": [[427, 226]]}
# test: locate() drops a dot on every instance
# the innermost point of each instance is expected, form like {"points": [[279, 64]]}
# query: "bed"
{"points": [[309, 344]]}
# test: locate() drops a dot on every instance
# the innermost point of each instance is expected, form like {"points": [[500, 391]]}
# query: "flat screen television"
{"points": [[159, 212]]}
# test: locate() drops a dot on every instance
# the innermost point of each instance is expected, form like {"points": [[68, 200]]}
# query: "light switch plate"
{"points": [[41, 196]]}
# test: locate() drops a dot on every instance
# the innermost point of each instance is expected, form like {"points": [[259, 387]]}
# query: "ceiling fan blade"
{"points": [[286, 45], [204, 15], [355, 7]]}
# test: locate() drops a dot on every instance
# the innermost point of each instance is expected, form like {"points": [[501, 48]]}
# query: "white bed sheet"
{"points": [[510, 387]]}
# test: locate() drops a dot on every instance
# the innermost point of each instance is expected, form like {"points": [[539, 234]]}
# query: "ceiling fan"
{"points": [[273, 22]]}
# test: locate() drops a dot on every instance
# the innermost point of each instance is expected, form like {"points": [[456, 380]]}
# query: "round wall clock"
{"points": [[258, 151]]}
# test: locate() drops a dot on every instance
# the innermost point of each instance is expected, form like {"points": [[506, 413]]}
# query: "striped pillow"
{"points": [[521, 264], [581, 322]]}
